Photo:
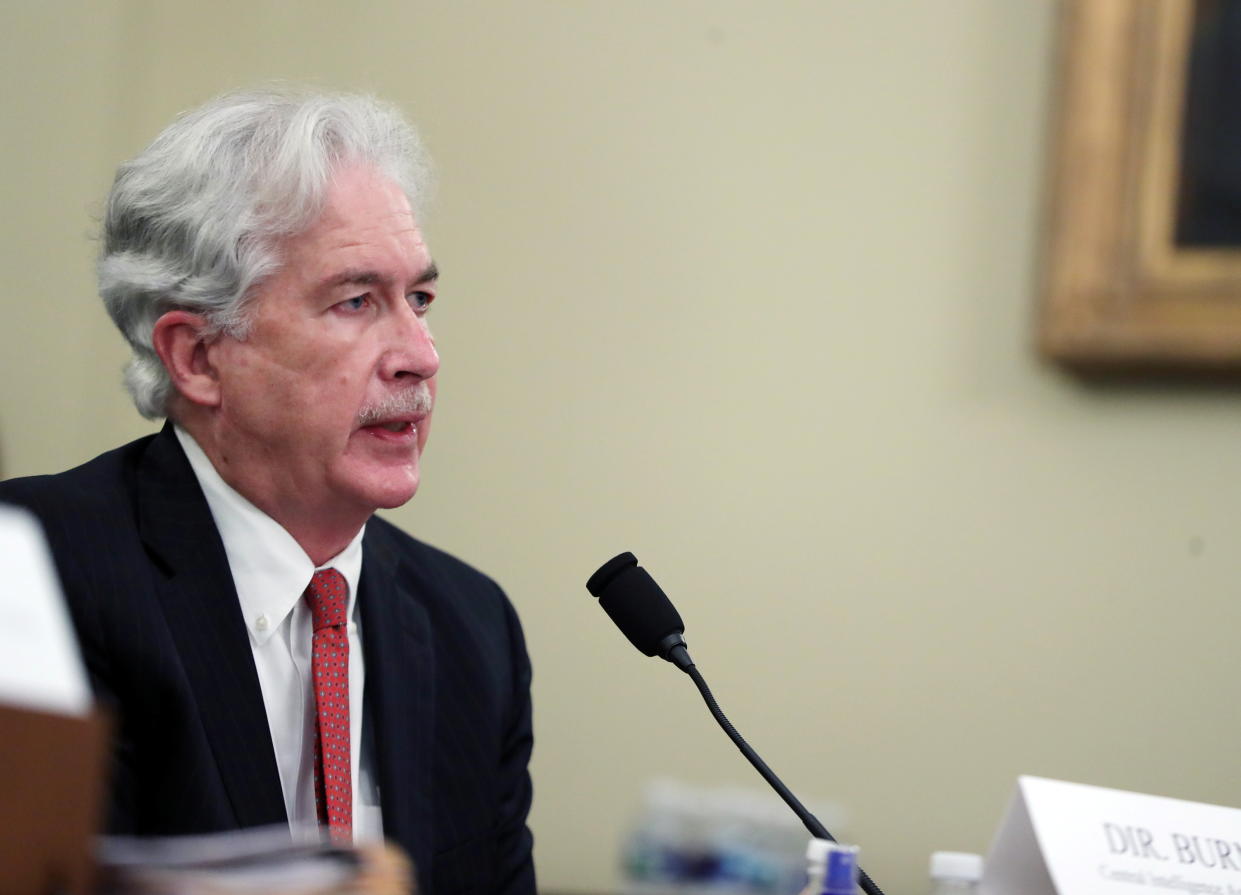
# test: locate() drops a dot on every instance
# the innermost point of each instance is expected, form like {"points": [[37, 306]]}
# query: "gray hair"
{"points": [[194, 222]]}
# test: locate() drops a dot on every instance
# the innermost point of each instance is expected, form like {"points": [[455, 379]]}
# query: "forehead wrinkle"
{"points": [[367, 242], [344, 221]]}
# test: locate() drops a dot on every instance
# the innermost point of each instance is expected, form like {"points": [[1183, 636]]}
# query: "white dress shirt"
{"points": [[271, 572]]}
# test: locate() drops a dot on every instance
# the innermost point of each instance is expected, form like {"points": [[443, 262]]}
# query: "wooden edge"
{"points": [[54, 768], [1090, 133]]}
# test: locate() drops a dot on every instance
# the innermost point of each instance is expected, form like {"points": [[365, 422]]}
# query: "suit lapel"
{"points": [[201, 608], [396, 636]]}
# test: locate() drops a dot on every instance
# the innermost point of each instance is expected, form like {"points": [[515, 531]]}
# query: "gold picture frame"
{"points": [[1119, 291]]}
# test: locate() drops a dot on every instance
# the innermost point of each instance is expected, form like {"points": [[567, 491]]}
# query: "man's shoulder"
{"points": [[447, 587], [423, 557], [89, 515], [96, 484]]}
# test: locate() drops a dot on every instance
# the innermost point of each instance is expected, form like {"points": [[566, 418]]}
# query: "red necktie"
{"points": [[328, 598]]}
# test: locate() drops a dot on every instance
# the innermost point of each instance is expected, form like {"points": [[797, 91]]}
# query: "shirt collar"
{"points": [[270, 569]]}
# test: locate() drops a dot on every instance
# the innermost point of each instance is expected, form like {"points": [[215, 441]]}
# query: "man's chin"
{"points": [[389, 491], [393, 502]]}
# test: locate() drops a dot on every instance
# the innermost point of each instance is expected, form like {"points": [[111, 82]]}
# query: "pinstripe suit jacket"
{"points": [[152, 598]]}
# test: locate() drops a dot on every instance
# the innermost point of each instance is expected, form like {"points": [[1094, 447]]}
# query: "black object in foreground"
{"points": [[645, 615]]}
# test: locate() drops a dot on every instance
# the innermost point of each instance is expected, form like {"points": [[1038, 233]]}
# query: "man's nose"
{"points": [[411, 353]]}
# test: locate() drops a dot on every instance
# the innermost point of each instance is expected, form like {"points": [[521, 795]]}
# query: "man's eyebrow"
{"points": [[366, 277], [430, 275]]}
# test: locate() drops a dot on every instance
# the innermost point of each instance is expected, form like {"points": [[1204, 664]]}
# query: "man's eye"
{"points": [[420, 301], [356, 303]]}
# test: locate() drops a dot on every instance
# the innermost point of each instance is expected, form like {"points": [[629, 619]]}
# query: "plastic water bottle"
{"points": [[816, 865], [657, 852], [831, 868], [955, 873], [841, 877]]}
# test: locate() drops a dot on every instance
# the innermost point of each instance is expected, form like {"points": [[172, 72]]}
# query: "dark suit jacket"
{"points": [[447, 677]]}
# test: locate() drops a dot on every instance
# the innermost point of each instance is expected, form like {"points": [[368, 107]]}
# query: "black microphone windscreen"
{"points": [[635, 603]]}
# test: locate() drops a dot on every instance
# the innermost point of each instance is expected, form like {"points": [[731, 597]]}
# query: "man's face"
{"points": [[325, 405]]}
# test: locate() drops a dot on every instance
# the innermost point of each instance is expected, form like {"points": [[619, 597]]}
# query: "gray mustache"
{"points": [[416, 402]]}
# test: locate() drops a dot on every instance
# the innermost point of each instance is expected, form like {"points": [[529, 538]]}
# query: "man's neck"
{"points": [[322, 532]]}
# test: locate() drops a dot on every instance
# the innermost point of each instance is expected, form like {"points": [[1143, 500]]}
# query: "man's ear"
{"points": [[180, 340]]}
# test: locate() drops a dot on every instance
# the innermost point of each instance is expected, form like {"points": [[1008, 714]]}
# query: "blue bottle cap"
{"points": [[841, 876]]}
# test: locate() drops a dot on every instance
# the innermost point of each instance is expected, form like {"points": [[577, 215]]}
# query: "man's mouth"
{"points": [[396, 432], [395, 426], [397, 414]]}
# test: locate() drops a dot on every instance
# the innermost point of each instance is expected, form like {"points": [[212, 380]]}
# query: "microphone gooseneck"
{"points": [[645, 615]]}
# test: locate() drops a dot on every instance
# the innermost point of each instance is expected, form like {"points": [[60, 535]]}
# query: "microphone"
{"points": [[641, 609], [645, 615]]}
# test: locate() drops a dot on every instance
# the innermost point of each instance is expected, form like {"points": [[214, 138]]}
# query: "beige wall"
{"points": [[745, 288]]}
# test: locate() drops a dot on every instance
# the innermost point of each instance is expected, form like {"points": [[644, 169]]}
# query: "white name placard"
{"points": [[40, 666], [1062, 838]]}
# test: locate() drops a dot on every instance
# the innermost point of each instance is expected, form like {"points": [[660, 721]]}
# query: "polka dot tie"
{"points": [[328, 597]]}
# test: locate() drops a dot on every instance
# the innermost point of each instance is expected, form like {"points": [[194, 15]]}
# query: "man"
{"points": [[272, 651]]}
